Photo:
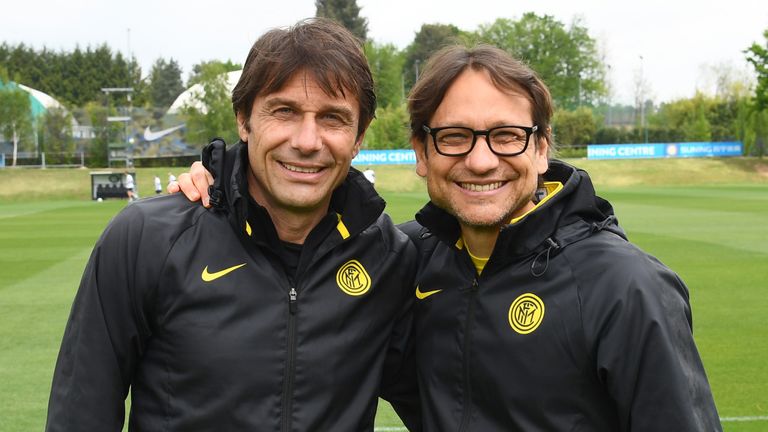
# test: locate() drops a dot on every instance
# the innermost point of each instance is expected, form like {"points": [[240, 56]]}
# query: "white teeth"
{"points": [[301, 169], [473, 187]]}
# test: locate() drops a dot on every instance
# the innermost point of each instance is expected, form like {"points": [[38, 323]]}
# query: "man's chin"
{"points": [[480, 221]]}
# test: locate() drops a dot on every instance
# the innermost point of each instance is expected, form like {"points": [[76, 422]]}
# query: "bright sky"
{"points": [[680, 41]]}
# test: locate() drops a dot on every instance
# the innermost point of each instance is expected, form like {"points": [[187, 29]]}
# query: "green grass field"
{"points": [[707, 220]]}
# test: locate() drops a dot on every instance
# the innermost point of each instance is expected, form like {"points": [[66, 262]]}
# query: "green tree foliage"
{"points": [[104, 132], [389, 130], [756, 138], [346, 13], [574, 128], [165, 83], [690, 117], [430, 38], [55, 135], [216, 118], [565, 58], [387, 66], [16, 123], [73, 78], [757, 55], [215, 67]]}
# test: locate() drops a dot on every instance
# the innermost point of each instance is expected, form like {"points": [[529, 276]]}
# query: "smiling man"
{"points": [[277, 310], [534, 311]]}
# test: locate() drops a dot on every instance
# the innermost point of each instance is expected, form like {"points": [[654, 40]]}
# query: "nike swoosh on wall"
{"points": [[153, 136]]}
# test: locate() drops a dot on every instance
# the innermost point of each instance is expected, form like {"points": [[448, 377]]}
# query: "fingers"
{"points": [[187, 187], [173, 187], [201, 179]]}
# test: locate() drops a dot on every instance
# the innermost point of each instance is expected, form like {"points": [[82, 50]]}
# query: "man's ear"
{"points": [[242, 127], [542, 155], [358, 143], [421, 156]]}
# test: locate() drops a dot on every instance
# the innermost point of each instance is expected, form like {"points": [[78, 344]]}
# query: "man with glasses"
{"points": [[533, 310]]}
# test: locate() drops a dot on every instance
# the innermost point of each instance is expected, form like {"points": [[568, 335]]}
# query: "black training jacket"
{"points": [[569, 327], [191, 310]]}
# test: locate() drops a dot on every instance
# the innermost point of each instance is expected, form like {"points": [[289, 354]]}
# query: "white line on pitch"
{"points": [[744, 419]]}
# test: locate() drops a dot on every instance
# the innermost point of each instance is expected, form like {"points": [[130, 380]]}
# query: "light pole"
{"points": [[609, 97], [642, 101]]}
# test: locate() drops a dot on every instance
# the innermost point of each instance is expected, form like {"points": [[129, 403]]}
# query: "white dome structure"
{"points": [[191, 96]]}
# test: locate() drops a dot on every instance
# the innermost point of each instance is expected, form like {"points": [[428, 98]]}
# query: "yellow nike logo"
{"points": [[422, 295], [207, 277]]}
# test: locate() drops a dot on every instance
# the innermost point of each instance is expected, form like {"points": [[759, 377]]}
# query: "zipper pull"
{"points": [[292, 295], [475, 285]]}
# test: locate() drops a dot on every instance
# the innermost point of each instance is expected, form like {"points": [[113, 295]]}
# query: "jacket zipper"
{"points": [[466, 416], [289, 368]]}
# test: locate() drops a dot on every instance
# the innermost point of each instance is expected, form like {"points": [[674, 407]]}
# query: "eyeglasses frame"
{"points": [[486, 133]]}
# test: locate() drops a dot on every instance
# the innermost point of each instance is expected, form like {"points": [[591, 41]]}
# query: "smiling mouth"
{"points": [[474, 187], [298, 169]]}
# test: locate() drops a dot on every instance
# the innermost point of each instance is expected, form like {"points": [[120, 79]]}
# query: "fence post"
{"points": [[82, 159], [42, 160]]}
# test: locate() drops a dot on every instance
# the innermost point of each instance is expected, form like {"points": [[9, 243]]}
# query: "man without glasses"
{"points": [[281, 310]]}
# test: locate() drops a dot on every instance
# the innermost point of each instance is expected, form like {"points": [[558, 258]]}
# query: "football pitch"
{"points": [[714, 236]]}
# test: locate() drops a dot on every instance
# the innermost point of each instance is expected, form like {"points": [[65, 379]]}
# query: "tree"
{"points": [[105, 132], [387, 68], [389, 129], [565, 58], [214, 67], [15, 114], [757, 55], [346, 13], [56, 135], [430, 38], [215, 118], [73, 78], [165, 83], [574, 128]]}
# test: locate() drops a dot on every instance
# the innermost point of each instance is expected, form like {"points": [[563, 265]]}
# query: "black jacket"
{"points": [[192, 310], [569, 327]]}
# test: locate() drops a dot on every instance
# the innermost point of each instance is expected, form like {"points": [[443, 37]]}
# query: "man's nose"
{"points": [[481, 159], [307, 138]]}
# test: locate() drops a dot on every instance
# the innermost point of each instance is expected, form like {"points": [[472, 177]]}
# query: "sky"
{"points": [[674, 45]]}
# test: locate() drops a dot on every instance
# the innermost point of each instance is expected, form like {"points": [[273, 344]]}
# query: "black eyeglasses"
{"points": [[502, 140]]}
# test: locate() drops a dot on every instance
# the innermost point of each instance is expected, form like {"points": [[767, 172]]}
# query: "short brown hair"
{"points": [[506, 72], [319, 46]]}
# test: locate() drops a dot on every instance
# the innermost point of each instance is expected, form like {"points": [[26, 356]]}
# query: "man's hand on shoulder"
{"points": [[194, 184]]}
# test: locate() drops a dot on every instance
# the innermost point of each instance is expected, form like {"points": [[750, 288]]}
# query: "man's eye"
{"points": [[334, 119], [283, 111]]}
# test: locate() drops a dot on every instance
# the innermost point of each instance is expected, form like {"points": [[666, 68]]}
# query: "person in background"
{"points": [[285, 308], [171, 182], [129, 185], [158, 186], [370, 175]]}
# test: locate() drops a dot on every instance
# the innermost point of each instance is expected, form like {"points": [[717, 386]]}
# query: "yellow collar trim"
{"points": [[552, 189], [342, 228], [478, 261]]}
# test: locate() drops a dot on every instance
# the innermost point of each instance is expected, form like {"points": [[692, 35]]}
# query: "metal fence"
{"points": [[45, 160]]}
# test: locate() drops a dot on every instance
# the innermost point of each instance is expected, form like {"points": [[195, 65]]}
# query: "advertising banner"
{"points": [[643, 151], [385, 157]]}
